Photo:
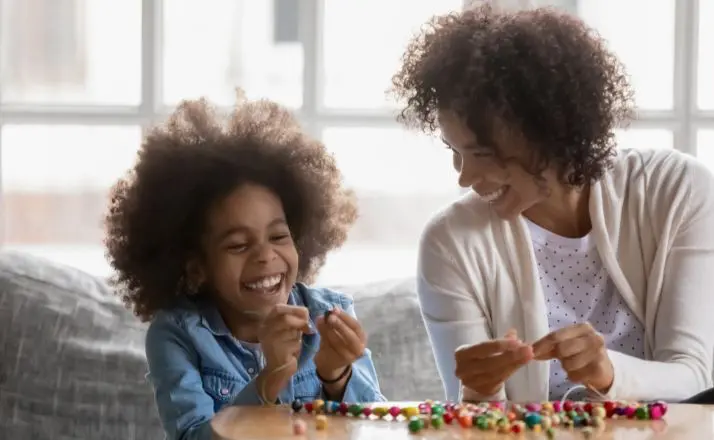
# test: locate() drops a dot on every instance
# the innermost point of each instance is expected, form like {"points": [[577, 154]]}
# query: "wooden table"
{"points": [[688, 422]]}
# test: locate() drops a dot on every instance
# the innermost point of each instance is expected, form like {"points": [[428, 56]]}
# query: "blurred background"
{"points": [[81, 79]]}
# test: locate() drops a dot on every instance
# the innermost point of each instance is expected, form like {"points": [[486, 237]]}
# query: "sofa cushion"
{"points": [[389, 313], [71, 357], [72, 362]]}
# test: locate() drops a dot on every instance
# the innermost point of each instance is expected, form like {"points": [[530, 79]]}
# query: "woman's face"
{"points": [[250, 260], [500, 180]]}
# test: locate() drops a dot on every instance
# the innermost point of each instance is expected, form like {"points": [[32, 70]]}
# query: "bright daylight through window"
{"points": [[79, 79]]}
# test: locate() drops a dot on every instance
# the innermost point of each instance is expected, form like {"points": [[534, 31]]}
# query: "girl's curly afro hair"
{"points": [[157, 211], [540, 72]]}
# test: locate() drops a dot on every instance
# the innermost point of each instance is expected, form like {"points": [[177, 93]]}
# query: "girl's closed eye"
{"points": [[237, 247]]}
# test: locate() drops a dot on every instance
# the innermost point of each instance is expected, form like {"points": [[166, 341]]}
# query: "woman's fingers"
{"points": [[494, 364], [485, 349]]}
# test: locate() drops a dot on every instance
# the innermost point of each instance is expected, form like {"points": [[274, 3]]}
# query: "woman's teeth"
{"points": [[265, 283], [493, 196]]}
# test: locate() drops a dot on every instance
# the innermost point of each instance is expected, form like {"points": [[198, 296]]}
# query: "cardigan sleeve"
{"points": [[451, 312], [683, 342]]}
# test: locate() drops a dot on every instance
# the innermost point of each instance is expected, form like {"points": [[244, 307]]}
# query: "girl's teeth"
{"points": [[266, 283]]}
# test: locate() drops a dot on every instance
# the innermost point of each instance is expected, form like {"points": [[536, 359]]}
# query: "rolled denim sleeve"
{"points": [[363, 386], [185, 409]]}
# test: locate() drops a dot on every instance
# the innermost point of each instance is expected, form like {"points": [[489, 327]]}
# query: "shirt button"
{"points": [[251, 370], [224, 391]]}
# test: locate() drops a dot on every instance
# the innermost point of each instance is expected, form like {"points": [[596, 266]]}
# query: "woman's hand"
{"points": [[280, 337], [484, 367], [342, 341], [582, 353]]}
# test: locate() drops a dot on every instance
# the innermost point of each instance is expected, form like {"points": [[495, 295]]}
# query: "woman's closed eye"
{"points": [[280, 238]]}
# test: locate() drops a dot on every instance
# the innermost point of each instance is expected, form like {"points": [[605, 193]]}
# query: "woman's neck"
{"points": [[564, 213]]}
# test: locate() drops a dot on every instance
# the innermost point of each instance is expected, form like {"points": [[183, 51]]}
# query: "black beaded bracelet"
{"points": [[348, 369]]}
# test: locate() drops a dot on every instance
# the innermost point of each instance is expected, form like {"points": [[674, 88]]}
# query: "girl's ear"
{"points": [[195, 275]]}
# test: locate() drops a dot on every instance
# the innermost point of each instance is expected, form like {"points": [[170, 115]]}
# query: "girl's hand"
{"points": [[280, 337], [342, 341]]}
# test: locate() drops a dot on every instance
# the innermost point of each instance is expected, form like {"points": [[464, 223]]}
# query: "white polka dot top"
{"points": [[578, 289]]}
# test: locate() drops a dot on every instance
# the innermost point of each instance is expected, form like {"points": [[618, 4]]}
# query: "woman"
{"points": [[571, 261]]}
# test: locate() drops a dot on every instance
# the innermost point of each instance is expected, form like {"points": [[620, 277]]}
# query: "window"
{"points": [[236, 47], [359, 64], [67, 52], [705, 147], [55, 184], [648, 52], [706, 55], [79, 79], [649, 138]]}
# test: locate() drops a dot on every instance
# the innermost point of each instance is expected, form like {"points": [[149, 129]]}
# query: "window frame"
{"points": [[684, 119]]}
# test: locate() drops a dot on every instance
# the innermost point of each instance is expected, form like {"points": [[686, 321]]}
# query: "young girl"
{"points": [[213, 234]]}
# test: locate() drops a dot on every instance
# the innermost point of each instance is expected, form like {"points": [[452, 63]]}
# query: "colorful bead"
{"points": [[642, 413], [532, 419], [415, 424], [355, 409], [380, 411], [299, 427], [599, 411], [320, 422], [481, 422], [465, 421], [448, 418], [655, 412], [491, 416], [518, 427], [532, 407]]}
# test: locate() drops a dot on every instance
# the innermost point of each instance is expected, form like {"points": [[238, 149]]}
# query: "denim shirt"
{"points": [[197, 367]]}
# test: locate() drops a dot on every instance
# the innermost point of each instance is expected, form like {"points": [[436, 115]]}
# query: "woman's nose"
{"points": [[468, 175]]}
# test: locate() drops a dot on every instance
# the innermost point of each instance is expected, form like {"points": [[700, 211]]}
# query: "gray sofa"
{"points": [[72, 362]]}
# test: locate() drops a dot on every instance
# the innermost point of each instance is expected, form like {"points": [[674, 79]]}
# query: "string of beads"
{"points": [[502, 417]]}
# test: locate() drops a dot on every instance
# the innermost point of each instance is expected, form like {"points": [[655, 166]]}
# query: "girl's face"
{"points": [[250, 260], [504, 183]]}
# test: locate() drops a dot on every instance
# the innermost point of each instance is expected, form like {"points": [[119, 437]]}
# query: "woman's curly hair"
{"points": [[157, 211], [540, 72]]}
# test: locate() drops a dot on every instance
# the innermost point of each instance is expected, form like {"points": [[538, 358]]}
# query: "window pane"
{"points": [[705, 147], [644, 138], [67, 51], [401, 178], [647, 52], [55, 182], [706, 55], [212, 47], [359, 64]]}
